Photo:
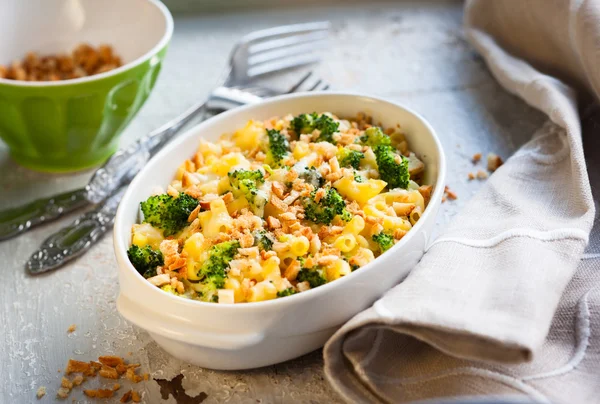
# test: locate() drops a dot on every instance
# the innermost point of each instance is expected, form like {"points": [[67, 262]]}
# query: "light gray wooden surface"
{"points": [[413, 52]]}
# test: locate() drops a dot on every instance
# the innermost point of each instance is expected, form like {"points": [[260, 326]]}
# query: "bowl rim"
{"points": [[196, 131], [164, 40]]}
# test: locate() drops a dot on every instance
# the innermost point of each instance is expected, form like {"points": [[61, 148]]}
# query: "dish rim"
{"points": [[164, 40], [295, 298]]}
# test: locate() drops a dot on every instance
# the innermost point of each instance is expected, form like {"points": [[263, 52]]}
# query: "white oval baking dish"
{"points": [[249, 335]]}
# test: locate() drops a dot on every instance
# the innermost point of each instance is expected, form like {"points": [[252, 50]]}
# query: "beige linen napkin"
{"points": [[486, 294]]}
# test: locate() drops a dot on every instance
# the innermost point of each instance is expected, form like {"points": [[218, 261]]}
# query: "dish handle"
{"points": [[157, 323]]}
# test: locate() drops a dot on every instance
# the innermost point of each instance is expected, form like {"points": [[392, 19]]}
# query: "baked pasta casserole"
{"points": [[279, 207]]}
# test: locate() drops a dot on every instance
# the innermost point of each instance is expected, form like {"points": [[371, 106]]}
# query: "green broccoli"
{"points": [[212, 271], [169, 289], [278, 147], [145, 259], [354, 267], [349, 158], [374, 137], [306, 123], [263, 239], [168, 213], [314, 277], [309, 175], [327, 208], [384, 240], [286, 292], [246, 183], [395, 174]]}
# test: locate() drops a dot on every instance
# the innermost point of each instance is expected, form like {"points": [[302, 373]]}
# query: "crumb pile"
{"points": [[108, 367], [85, 60]]}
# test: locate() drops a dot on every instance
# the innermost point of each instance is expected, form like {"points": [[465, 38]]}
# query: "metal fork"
{"points": [[75, 239], [256, 54]]}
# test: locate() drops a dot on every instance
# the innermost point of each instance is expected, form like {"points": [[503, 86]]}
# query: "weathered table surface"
{"points": [[411, 52]]}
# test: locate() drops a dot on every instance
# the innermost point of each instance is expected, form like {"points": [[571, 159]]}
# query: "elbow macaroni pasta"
{"points": [[279, 207]]}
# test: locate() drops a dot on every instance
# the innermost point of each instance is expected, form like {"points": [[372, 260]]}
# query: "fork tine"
{"points": [[317, 84], [285, 30], [298, 84], [288, 51], [325, 88], [294, 61], [271, 44]]}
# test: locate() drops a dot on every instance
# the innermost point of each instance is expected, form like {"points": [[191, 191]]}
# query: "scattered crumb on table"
{"points": [[71, 328], [126, 397], [449, 194], [476, 157], [41, 392], [482, 174], [63, 392], [493, 162]]}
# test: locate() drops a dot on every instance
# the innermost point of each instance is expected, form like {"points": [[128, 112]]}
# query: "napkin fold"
{"points": [[487, 292]]}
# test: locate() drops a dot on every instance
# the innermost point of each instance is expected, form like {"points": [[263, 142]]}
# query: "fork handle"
{"points": [[108, 178], [72, 241], [18, 220]]}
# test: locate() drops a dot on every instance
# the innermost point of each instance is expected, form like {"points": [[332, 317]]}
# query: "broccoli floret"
{"points": [[168, 213], [263, 239], [309, 175], [327, 208], [212, 271], [246, 183], [286, 292], [384, 240], [236, 176], [395, 174], [349, 158], [278, 147], [145, 259], [328, 127], [169, 289], [374, 137], [314, 277], [306, 123], [354, 267]]}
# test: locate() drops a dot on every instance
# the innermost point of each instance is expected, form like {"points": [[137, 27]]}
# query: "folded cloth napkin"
{"points": [[480, 314]]}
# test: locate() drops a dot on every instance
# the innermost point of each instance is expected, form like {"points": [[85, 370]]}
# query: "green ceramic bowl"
{"points": [[75, 124]]}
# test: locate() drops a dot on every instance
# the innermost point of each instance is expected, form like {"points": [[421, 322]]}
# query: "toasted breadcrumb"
{"points": [[451, 194], [135, 397], [476, 158], [41, 392], [471, 176], [78, 380], [110, 360], [130, 374], [99, 393], [74, 366], [66, 383], [493, 162], [71, 328], [116, 386], [126, 397], [63, 392], [481, 175], [108, 372]]}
